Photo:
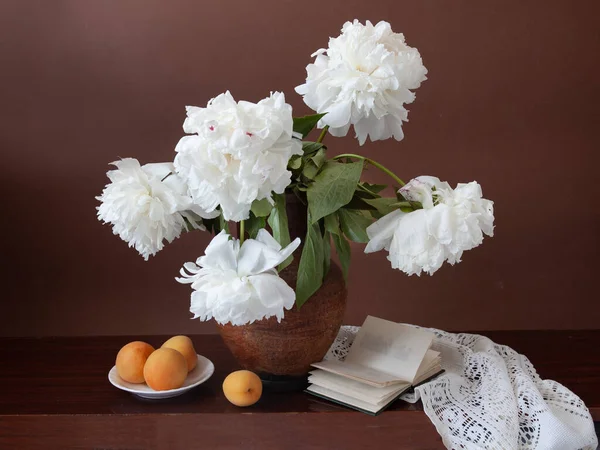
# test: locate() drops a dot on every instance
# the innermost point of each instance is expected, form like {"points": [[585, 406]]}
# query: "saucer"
{"points": [[202, 372]]}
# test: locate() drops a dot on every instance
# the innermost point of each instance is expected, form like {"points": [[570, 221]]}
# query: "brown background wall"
{"points": [[511, 101]]}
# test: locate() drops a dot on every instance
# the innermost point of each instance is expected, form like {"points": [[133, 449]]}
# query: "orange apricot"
{"points": [[131, 360], [165, 369], [183, 345]]}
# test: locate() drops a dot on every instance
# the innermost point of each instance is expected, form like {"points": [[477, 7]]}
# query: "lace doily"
{"points": [[491, 397]]}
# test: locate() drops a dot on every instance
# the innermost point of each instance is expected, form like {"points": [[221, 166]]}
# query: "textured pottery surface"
{"points": [[301, 338]]}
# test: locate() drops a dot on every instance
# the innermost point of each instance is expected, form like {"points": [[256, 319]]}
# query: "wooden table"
{"points": [[54, 393]]}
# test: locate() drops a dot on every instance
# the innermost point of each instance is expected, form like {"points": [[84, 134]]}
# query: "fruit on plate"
{"points": [[183, 345], [165, 369], [131, 360], [242, 388]]}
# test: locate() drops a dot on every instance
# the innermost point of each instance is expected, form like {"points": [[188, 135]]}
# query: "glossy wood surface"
{"points": [[54, 393]]}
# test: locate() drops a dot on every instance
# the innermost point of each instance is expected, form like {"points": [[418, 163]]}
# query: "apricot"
{"points": [[183, 345], [165, 369], [242, 388], [131, 359]]}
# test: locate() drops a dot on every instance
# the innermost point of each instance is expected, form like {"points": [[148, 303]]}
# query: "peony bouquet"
{"points": [[240, 159]]}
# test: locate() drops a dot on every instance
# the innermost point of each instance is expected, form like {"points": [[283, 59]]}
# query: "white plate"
{"points": [[202, 372]]}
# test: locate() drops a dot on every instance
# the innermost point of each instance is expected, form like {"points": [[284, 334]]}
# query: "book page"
{"points": [[359, 373], [344, 399], [390, 347], [430, 366], [355, 389], [431, 359]]}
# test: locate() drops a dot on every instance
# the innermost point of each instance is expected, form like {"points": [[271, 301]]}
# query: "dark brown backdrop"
{"points": [[511, 101]]}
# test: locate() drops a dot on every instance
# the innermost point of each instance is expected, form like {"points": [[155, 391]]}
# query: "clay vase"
{"points": [[281, 352]]}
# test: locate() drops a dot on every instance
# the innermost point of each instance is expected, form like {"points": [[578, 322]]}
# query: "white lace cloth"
{"points": [[491, 397]]}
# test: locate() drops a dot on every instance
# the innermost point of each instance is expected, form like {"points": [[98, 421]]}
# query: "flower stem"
{"points": [[323, 134], [242, 232], [373, 163]]}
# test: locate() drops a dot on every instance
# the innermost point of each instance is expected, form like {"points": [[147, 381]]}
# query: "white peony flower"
{"points": [[450, 222], [239, 284], [239, 152], [364, 78], [146, 205]]}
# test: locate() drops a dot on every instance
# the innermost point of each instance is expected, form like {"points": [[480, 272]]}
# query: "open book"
{"points": [[386, 359]]}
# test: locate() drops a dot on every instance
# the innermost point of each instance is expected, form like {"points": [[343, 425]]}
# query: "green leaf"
{"points": [[310, 270], [253, 224], [304, 125], [310, 170], [333, 187], [357, 202], [374, 188], [312, 160], [342, 247], [407, 207], [326, 253], [223, 224], [366, 190], [354, 224], [332, 224], [261, 208], [278, 222], [383, 205], [319, 158], [311, 147], [402, 204], [295, 162]]}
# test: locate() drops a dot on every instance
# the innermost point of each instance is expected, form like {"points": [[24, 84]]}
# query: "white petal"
{"points": [[423, 239], [272, 291], [144, 210], [220, 253], [381, 232], [241, 291], [264, 237], [239, 155], [364, 78], [256, 257], [159, 170], [289, 249], [338, 115]]}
